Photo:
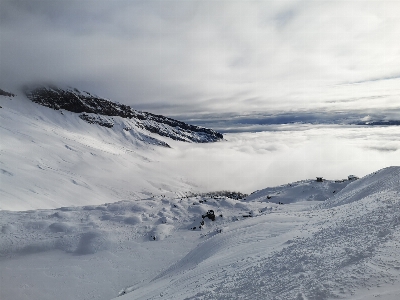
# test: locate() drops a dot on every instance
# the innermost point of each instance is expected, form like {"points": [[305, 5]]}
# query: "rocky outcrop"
{"points": [[88, 106], [6, 94]]}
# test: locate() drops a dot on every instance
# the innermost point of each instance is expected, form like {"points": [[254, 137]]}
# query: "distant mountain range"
{"points": [[380, 123], [231, 123]]}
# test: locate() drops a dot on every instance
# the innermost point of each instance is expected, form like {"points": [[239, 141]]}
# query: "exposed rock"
{"points": [[7, 94], [85, 103], [94, 120], [210, 214]]}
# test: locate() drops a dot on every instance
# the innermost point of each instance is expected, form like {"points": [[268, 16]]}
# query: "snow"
{"points": [[51, 159], [90, 213], [145, 249], [314, 253], [306, 190]]}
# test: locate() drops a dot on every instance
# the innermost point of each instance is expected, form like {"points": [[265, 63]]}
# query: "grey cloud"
{"points": [[393, 77], [183, 57], [256, 122], [384, 149], [284, 17]]}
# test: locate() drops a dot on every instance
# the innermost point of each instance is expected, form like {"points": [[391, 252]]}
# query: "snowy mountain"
{"points": [[97, 110], [89, 210], [87, 150], [344, 246]]}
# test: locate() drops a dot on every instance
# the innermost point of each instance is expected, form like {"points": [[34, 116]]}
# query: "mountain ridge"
{"points": [[94, 109]]}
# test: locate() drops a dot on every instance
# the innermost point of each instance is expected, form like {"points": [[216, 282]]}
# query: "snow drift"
{"points": [[335, 250], [165, 246]]}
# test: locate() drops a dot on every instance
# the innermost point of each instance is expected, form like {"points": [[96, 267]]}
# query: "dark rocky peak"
{"points": [[76, 101], [6, 94], [92, 109]]}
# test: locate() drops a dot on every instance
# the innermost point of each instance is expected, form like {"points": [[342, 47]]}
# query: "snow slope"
{"points": [[340, 249], [52, 158], [346, 247], [306, 190]]}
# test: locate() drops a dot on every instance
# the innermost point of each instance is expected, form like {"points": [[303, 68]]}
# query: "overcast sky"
{"points": [[209, 57]]}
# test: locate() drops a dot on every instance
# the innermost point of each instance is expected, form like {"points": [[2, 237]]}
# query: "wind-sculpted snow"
{"points": [[89, 229], [306, 190], [166, 246], [385, 180], [342, 255], [321, 253], [104, 249], [95, 110]]}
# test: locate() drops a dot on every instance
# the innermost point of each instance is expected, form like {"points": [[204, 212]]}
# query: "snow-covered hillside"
{"points": [[97, 110], [348, 247], [168, 247], [53, 158], [306, 190]]}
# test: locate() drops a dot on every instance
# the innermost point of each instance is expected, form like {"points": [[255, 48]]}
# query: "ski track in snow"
{"points": [[347, 245], [116, 231], [338, 248]]}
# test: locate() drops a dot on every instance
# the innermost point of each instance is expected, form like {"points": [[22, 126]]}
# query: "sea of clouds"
{"points": [[280, 154]]}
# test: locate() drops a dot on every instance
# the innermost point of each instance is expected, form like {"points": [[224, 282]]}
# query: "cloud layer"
{"points": [[196, 57], [287, 153]]}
